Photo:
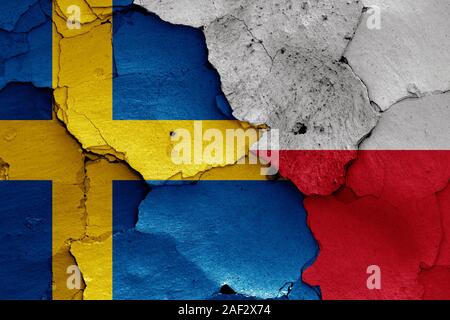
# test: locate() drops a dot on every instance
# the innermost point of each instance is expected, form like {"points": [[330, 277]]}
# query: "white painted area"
{"points": [[409, 55], [414, 124], [279, 65]]}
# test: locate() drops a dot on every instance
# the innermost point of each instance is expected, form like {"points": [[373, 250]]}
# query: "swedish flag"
{"points": [[92, 96]]}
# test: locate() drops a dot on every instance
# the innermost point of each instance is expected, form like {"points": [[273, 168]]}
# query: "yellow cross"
{"points": [[43, 150]]}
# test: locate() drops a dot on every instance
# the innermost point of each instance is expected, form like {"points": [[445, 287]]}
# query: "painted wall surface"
{"points": [[95, 96]]}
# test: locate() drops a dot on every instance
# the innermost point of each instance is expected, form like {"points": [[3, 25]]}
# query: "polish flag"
{"points": [[381, 214]]}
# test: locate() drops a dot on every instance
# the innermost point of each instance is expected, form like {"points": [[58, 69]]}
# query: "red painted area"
{"points": [[399, 175], [436, 281], [394, 212], [315, 172], [444, 204]]}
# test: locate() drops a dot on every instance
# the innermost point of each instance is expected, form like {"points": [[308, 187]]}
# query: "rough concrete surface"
{"points": [[279, 65], [364, 120], [408, 55]]}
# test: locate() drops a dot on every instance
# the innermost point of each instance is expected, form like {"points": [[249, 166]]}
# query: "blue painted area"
{"points": [[135, 273], [224, 106], [35, 64], [11, 11], [12, 45], [250, 235], [25, 58], [127, 195], [36, 15], [25, 240], [302, 291], [163, 71], [150, 267], [122, 3], [21, 101]]}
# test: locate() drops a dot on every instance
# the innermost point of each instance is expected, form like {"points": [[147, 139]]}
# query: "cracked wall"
{"points": [[229, 26], [393, 206], [192, 250], [408, 56], [277, 55], [24, 37], [392, 209], [98, 131], [43, 151], [363, 119]]}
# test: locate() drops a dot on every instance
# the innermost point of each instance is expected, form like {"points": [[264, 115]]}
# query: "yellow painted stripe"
{"points": [[82, 79], [42, 150], [93, 249]]}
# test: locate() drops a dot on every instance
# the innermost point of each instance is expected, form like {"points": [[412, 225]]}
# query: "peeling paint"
{"points": [[192, 239], [4, 170], [392, 211], [280, 65], [25, 39], [84, 102], [93, 251], [364, 134], [164, 69], [43, 150], [408, 55]]}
